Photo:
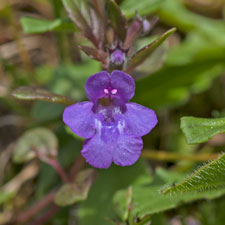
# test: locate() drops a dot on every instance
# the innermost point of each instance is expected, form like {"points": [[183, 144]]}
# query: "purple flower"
{"points": [[112, 125]]}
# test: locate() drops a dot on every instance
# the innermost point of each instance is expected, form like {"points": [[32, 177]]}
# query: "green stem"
{"points": [[57, 6]]}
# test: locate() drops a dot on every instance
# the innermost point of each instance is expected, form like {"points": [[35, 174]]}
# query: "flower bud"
{"points": [[118, 57], [146, 26]]}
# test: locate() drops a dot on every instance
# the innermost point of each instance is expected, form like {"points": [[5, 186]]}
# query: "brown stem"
{"points": [[33, 210], [168, 156], [52, 161], [56, 165], [37, 207], [78, 164]]}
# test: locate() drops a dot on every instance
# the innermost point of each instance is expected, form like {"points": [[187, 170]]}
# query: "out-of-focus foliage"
{"points": [[33, 141], [198, 130], [33, 25], [77, 191], [107, 183], [182, 79], [146, 198]]}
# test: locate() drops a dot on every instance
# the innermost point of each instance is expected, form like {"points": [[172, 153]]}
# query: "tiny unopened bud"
{"points": [[118, 57], [146, 26]]}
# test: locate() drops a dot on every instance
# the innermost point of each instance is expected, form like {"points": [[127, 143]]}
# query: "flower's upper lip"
{"points": [[98, 83]]}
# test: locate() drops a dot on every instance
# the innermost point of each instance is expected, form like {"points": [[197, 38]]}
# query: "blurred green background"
{"points": [[184, 77]]}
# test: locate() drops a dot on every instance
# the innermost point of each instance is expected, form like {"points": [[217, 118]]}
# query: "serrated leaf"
{"points": [[117, 19], [35, 93], [77, 191], [147, 199], [145, 52], [198, 130], [209, 177], [41, 140], [34, 25]]}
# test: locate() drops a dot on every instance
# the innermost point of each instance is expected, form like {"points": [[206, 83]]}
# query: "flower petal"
{"points": [[139, 120], [124, 84], [96, 84], [80, 119], [127, 150], [97, 153]]}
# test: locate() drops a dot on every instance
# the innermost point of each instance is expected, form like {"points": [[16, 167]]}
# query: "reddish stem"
{"points": [[78, 164], [56, 165], [53, 161], [26, 215]]}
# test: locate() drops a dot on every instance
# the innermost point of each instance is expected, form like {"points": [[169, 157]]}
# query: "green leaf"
{"points": [[155, 61], [129, 7], [117, 20], [98, 206], [198, 130], [194, 48], [148, 200], [33, 25], [35, 93], [209, 177], [77, 191], [69, 79], [6, 196], [172, 85], [174, 13], [45, 111], [69, 131], [38, 139], [48, 178], [145, 52]]}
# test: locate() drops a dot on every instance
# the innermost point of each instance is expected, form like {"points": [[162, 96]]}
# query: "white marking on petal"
{"points": [[98, 125], [120, 126], [116, 110], [106, 91], [114, 91]]}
